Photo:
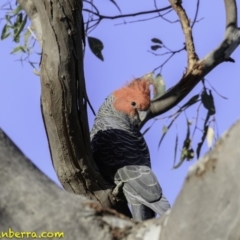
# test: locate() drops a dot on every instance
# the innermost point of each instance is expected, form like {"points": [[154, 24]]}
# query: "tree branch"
{"points": [[187, 30], [29, 200], [231, 14], [201, 68], [32, 13], [64, 101], [126, 15], [196, 14], [100, 17]]}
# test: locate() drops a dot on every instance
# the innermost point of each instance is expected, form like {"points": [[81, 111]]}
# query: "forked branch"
{"points": [[197, 70], [187, 30]]}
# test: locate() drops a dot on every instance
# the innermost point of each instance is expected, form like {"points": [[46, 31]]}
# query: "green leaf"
{"points": [[5, 32], [26, 37], [164, 129], [19, 29], [187, 141], [146, 130], [205, 126], [18, 49], [155, 47], [8, 18], [191, 101], [199, 147], [185, 148], [156, 40], [6, 36], [190, 154], [184, 154], [164, 132], [19, 19], [208, 102], [175, 149], [17, 10], [96, 47]]}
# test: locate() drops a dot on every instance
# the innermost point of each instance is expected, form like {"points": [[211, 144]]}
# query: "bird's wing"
{"points": [[141, 187], [142, 180], [115, 148]]}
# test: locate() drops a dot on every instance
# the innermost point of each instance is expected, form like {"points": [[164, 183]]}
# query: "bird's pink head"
{"points": [[133, 97]]}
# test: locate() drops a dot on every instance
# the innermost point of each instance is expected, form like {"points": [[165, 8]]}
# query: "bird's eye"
{"points": [[133, 103]]}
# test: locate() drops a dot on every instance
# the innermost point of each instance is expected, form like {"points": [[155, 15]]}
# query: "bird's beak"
{"points": [[142, 115]]}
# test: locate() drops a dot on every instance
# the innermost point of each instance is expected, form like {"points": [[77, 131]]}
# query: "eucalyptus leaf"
{"points": [[175, 149], [190, 154], [26, 37], [5, 32], [96, 47], [185, 154], [19, 29], [156, 40], [18, 49], [208, 102], [199, 147], [191, 101], [8, 18], [164, 129], [17, 10], [155, 47]]}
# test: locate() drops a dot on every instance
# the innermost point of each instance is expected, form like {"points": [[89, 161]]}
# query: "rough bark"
{"points": [[63, 98], [206, 208]]}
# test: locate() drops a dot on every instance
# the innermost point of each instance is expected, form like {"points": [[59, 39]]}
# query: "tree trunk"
{"points": [[64, 99]]}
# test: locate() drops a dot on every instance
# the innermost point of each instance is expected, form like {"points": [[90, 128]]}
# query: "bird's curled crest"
{"points": [[133, 97]]}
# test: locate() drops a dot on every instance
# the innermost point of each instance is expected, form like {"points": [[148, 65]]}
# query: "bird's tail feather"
{"points": [[141, 212], [161, 206], [135, 200]]}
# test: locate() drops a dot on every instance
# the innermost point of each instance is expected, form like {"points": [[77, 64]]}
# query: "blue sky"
{"points": [[126, 56]]}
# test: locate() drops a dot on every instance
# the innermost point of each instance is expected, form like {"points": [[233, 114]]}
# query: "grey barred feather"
{"points": [[122, 155]]}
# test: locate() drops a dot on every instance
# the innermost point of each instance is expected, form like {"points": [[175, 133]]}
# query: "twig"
{"points": [[172, 53], [192, 56], [197, 118], [196, 14], [126, 15], [140, 20]]}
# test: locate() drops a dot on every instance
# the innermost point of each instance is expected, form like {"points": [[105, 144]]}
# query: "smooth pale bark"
{"points": [[206, 208], [29, 201]]}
